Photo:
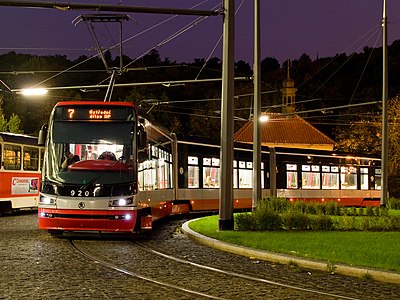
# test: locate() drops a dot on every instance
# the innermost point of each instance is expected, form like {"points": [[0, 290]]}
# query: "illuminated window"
{"points": [[378, 174], [310, 177], [12, 157], [245, 174], [291, 176], [364, 178], [348, 178], [211, 172], [193, 172], [330, 177], [31, 158]]}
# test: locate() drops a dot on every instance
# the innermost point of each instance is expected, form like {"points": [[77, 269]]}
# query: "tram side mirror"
{"points": [[142, 137], [43, 135]]}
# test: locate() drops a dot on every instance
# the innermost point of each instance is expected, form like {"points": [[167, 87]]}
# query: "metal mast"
{"points": [[226, 221], [384, 166], [257, 109]]}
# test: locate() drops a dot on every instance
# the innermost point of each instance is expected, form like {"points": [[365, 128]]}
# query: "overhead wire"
{"points": [[116, 45], [216, 44], [363, 71]]}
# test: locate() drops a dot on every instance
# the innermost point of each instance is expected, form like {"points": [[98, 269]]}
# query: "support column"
{"points": [[226, 221]]}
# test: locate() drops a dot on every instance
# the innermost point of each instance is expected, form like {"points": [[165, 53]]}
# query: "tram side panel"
{"points": [[19, 172]]}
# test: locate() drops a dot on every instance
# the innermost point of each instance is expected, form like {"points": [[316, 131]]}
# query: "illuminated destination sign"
{"points": [[104, 114], [93, 113]]}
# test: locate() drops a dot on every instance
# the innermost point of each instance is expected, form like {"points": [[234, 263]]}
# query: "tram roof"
{"points": [[18, 138]]}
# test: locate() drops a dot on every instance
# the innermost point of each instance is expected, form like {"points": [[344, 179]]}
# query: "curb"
{"points": [[384, 276]]}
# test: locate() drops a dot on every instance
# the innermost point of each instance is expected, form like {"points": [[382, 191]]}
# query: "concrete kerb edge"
{"points": [[378, 275]]}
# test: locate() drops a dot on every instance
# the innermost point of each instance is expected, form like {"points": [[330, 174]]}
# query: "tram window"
{"points": [[12, 157], [245, 174], [41, 158], [31, 158], [291, 176], [348, 178], [310, 177], [364, 178], [149, 175], [330, 178], [211, 172], [193, 172], [162, 178], [235, 175], [141, 177], [378, 174]]}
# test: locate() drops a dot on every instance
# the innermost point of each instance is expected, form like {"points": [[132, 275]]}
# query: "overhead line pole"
{"points": [[257, 109], [226, 221], [384, 162], [108, 7]]}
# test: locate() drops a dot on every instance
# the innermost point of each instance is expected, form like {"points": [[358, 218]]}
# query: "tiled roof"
{"points": [[287, 132]]}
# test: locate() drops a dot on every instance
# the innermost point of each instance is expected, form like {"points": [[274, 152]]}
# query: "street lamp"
{"points": [[33, 92]]}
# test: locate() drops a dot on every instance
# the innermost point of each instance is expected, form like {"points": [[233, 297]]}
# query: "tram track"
{"points": [[151, 255], [244, 276], [130, 273]]}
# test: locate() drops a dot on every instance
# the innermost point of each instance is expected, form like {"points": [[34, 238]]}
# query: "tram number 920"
{"points": [[80, 193]]}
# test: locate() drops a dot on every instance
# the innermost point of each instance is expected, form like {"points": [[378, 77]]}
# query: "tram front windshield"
{"points": [[91, 152]]}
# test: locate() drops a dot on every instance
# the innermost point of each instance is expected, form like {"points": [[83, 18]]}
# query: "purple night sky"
{"points": [[289, 28]]}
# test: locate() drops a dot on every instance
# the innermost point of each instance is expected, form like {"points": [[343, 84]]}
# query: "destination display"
{"points": [[93, 113]]}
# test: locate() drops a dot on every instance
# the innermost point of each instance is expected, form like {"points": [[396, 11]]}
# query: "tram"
{"points": [[299, 174], [21, 160], [109, 168]]}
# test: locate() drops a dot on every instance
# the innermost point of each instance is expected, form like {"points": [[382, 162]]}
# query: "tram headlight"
{"points": [[47, 200], [121, 202]]}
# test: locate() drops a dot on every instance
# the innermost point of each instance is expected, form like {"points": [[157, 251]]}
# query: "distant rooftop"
{"points": [[286, 132]]}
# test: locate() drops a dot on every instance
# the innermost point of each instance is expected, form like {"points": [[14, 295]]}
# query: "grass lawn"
{"points": [[379, 250]]}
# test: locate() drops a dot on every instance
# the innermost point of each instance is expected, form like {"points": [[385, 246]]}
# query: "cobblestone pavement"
{"points": [[35, 265]]}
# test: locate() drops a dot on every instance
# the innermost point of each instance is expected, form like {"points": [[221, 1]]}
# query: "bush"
{"points": [[393, 203], [332, 208], [245, 222], [346, 223], [295, 220], [321, 222], [267, 220], [279, 213], [369, 211]]}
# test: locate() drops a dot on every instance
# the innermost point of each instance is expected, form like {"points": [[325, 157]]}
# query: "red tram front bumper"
{"points": [[87, 220]]}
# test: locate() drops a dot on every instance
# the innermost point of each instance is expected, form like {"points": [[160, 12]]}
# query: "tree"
{"points": [[14, 124]]}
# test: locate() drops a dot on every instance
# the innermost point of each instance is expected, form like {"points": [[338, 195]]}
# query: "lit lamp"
{"points": [[33, 92], [264, 118]]}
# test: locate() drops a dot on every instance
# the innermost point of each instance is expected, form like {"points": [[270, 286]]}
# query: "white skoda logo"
{"points": [[81, 205]]}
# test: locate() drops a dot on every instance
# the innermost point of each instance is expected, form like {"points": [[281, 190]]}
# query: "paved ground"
{"points": [[35, 265]]}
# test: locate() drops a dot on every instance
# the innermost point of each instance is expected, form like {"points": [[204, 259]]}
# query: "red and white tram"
{"points": [[122, 172], [19, 172]]}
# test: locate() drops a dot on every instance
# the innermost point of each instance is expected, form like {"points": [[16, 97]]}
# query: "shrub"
{"points": [[332, 208], [346, 223], [245, 222], [295, 220], [393, 203], [369, 211], [321, 222], [267, 220]]}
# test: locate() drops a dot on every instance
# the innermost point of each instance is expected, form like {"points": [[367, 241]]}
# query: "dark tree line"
{"points": [[194, 108]]}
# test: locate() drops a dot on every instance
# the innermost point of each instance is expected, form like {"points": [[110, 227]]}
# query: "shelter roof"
{"points": [[287, 132]]}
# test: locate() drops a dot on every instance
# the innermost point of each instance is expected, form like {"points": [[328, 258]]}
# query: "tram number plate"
{"points": [[80, 193]]}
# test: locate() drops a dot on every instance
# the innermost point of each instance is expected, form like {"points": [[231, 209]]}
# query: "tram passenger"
{"points": [[107, 155], [70, 159]]}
